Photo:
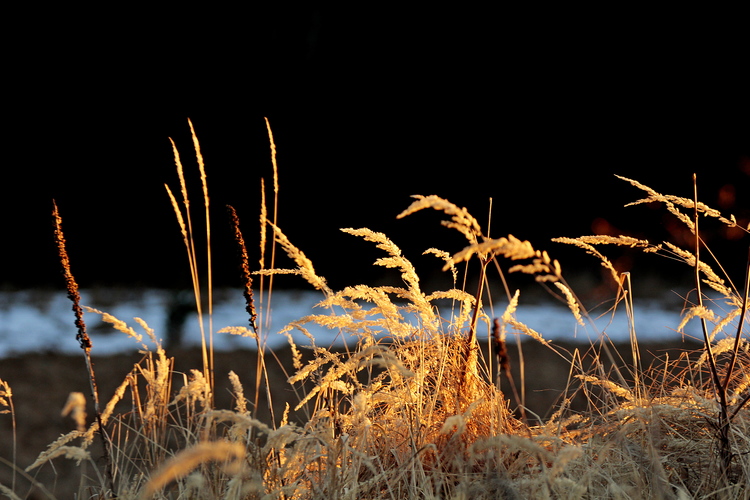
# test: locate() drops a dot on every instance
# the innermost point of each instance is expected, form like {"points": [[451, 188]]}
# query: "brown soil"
{"points": [[41, 384]]}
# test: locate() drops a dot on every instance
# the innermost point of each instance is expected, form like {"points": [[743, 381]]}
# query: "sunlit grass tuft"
{"points": [[412, 406]]}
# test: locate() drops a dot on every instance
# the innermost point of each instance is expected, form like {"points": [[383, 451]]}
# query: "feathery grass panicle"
{"points": [[209, 258], [385, 315], [542, 267], [263, 218], [109, 408], [264, 224], [296, 354], [76, 408], [6, 397], [180, 174], [6, 407], [117, 324], [186, 228], [8, 492], [449, 262], [149, 332], [239, 393], [197, 389], [672, 202], [396, 260], [509, 319], [466, 301], [413, 293], [45, 455], [725, 345], [178, 215], [159, 384], [240, 331], [510, 248], [609, 385], [305, 267], [272, 145], [71, 452], [188, 459], [201, 165], [572, 302], [712, 279], [626, 241], [697, 312], [590, 249], [461, 219]]}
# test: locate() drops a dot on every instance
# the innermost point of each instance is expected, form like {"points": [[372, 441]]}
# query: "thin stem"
{"points": [[275, 214], [209, 275], [720, 394], [738, 336], [725, 452]]}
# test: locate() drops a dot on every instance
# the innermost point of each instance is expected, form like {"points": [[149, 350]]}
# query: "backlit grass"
{"points": [[413, 406]]}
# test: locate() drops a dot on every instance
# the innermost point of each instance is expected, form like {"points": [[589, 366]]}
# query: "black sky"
{"points": [[536, 110]]}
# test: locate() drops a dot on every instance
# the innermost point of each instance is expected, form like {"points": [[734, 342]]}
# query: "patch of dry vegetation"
{"points": [[413, 407]]}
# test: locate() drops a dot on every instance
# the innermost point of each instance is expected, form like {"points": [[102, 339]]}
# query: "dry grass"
{"points": [[412, 408]]}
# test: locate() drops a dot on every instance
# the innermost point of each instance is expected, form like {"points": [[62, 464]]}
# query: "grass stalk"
{"points": [[186, 228], [723, 425], [626, 288], [275, 221], [740, 324], [209, 266]]}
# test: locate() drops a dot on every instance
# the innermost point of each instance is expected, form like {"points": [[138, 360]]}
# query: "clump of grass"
{"points": [[690, 414], [412, 407]]}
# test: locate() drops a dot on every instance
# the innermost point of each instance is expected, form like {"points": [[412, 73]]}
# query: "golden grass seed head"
{"points": [[76, 408], [188, 459]]}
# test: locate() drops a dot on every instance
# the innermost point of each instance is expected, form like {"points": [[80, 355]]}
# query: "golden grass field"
{"points": [[410, 409]]}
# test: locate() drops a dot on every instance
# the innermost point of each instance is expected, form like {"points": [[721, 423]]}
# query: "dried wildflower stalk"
{"points": [[247, 281], [82, 337], [244, 265]]}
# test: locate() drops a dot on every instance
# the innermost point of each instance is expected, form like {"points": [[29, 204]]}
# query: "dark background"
{"points": [[537, 110]]}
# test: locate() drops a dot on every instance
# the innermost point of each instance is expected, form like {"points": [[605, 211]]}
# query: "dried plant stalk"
{"points": [[82, 337], [247, 278]]}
